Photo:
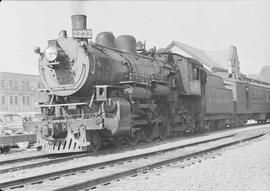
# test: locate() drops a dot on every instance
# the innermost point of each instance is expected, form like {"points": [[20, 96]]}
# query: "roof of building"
{"points": [[221, 56], [197, 54], [17, 74], [214, 60]]}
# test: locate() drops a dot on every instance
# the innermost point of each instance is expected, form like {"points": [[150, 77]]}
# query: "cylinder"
{"points": [[78, 21], [162, 90], [110, 106], [106, 39], [119, 123], [126, 43]]}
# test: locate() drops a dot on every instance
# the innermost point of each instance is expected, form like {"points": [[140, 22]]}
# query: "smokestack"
{"points": [[79, 30], [78, 21]]}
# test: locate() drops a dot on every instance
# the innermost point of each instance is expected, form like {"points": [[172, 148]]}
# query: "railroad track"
{"points": [[70, 156], [162, 160], [104, 172], [17, 160], [43, 160], [33, 161]]}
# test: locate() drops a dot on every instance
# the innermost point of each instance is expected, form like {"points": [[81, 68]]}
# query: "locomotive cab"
{"points": [[190, 74]]}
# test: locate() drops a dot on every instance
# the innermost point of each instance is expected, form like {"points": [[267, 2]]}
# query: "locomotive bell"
{"points": [[126, 43], [78, 21]]}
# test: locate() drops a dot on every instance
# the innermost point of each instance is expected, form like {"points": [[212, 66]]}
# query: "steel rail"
{"points": [[50, 160], [38, 178], [94, 182], [49, 156], [16, 160]]}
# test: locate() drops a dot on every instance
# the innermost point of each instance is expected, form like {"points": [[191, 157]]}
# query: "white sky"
{"points": [[207, 25]]}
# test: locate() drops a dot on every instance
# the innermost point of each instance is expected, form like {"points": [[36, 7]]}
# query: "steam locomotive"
{"points": [[113, 89]]}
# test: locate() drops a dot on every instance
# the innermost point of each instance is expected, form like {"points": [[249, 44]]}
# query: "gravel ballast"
{"points": [[243, 167]]}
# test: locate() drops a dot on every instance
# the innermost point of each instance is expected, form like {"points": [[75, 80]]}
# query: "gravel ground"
{"points": [[244, 167]]}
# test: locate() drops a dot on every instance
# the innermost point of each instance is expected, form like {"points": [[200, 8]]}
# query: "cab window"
{"points": [[195, 73]]}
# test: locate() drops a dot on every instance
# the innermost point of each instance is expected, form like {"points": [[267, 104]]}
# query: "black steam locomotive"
{"points": [[111, 89]]}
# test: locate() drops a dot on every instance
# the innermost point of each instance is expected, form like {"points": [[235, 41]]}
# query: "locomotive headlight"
{"points": [[51, 53]]}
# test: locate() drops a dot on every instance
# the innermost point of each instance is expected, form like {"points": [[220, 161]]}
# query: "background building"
{"points": [[19, 92]]}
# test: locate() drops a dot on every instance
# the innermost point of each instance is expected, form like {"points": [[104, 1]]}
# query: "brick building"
{"points": [[19, 92]]}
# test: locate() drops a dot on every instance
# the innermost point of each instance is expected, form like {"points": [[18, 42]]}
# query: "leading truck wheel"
{"points": [[95, 141], [162, 124]]}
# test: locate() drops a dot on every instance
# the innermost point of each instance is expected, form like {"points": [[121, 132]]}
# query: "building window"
{"points": [[11, 100], [28, 100], [23, 100], [3, 100], [16, 100], [10, 84], [23, 85], [16, 84], [27, 85], [40, 85], [2, 83]]}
